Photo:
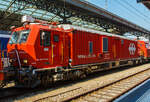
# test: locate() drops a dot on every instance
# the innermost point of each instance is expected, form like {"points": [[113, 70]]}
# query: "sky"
{"points": [[130, 10]]}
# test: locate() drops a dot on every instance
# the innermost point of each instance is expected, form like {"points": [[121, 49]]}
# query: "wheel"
{"points": [[2, 84], [83, 75], [46, 81]]}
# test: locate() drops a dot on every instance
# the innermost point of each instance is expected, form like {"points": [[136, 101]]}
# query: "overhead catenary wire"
{"points": [[141, 13], [127, 11], [135, 13], [132, 12]]}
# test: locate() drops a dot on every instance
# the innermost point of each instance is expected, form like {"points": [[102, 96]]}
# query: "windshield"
{"points": [[19, 37]]}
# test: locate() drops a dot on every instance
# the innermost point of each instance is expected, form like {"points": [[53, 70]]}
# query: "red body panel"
{"points": [[144, 49], [118, 48], [81, 47]]}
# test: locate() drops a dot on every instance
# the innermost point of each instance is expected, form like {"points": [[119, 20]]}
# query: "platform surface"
{"points": [[140, 93]]}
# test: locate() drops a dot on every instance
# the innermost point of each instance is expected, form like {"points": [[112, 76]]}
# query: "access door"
{"points": [[116, 48], [57, 48]]}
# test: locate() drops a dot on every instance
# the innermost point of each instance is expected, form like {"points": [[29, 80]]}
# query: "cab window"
{"points": [[14, 38], [45, 38], [23, 36], [56, 38], [19, 37]]}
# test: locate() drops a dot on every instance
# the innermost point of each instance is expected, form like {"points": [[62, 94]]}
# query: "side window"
{"points": [[147, 46], [105, 44], [56, 38], [122, 42], [91, 47], [45, 38]]}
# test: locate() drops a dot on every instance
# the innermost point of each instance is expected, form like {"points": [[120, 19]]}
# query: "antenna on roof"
{"points": [[29, 19]]}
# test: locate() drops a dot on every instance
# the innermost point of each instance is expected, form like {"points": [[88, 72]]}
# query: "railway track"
{"points": [[11, 92], [95, 92], [75, 91]]}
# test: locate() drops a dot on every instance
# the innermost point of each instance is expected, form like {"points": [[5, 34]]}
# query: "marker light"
{"points": [[25, 61], [10, 60]]}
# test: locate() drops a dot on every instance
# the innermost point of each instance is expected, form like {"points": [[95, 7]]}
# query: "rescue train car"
{"points": [[43, 53]]}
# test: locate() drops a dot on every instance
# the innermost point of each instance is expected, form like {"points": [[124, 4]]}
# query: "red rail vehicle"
{"points": [[42, 53]]}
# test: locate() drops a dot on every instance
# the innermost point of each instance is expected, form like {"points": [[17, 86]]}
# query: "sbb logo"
{"points": [[132, 49]]}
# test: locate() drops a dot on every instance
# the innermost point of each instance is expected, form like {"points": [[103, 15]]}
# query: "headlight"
{"points": [[10, 60], [25, 61]]}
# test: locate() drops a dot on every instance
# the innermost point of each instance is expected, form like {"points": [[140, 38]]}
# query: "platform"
{"points": [[140, 93]]}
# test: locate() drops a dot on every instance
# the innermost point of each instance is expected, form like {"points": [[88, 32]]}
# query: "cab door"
{"points": [[44, 58], [116, 48], [56, 48]]}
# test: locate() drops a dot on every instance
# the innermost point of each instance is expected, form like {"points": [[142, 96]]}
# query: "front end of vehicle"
{"points": [[21, 61]]}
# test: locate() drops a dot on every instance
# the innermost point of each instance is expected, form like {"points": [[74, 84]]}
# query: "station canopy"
{"points": [[75, 12], [145, 2]]}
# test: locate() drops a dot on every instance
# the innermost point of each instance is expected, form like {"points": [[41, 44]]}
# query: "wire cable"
{"points": [[135, 9], [132, 12], [135, 13]]}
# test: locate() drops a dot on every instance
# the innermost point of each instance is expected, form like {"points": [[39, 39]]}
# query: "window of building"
{"points": [[105, 44], [45, 38], [91, 47]]}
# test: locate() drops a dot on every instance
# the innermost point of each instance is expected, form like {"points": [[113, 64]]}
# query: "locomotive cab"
{"points": [[36, 45]]}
